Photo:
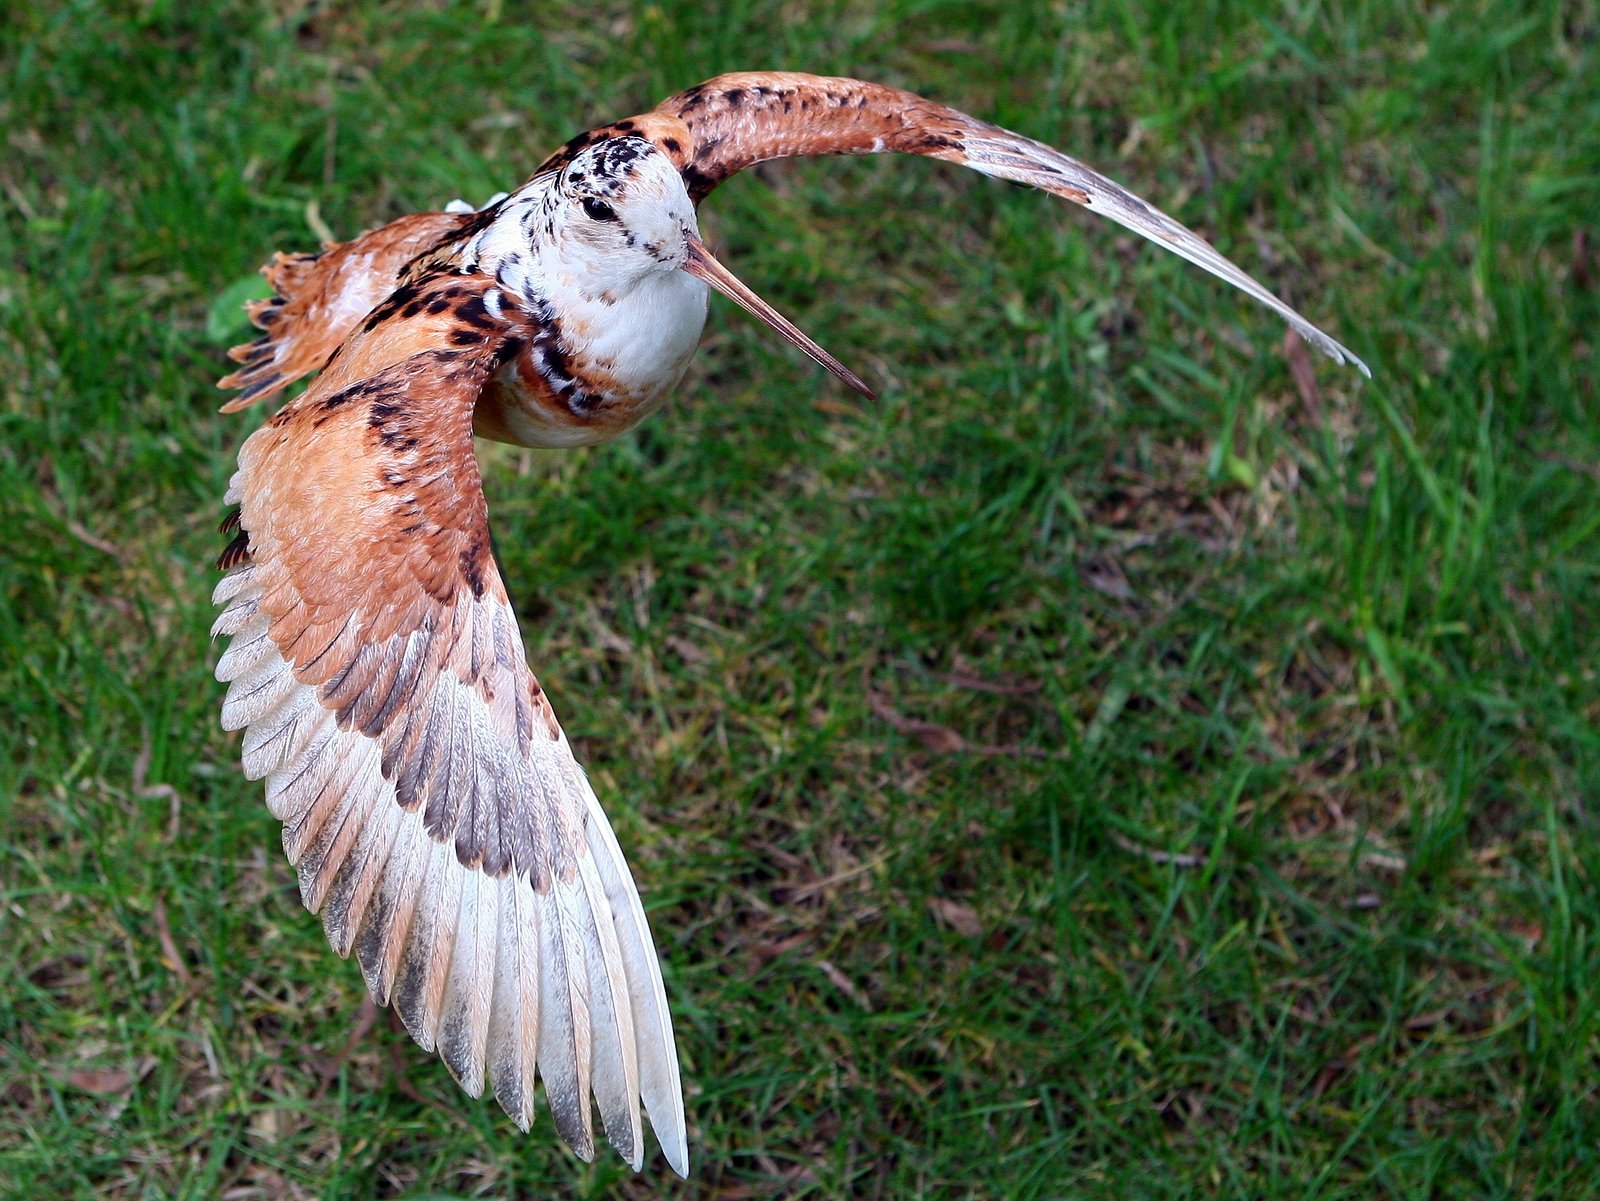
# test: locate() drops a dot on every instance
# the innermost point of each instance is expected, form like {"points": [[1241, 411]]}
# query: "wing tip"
{"points": [[676, 1152], [1335, 350]]}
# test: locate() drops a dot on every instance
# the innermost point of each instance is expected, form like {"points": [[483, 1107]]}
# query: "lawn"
{"points": [[1131, 758]]}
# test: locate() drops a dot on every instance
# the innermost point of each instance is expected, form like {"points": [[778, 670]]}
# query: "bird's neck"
{"points": [[599, 362], [644, 333]]}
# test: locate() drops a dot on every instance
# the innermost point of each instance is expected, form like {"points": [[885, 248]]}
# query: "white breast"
{"points": [[645, 339], [629, 355]]}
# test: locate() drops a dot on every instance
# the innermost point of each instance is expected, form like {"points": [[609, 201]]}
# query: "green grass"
{"points": [[1246, 846]]}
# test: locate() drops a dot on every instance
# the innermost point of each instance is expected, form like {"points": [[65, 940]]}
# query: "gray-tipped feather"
{"points": [[506, 980]]}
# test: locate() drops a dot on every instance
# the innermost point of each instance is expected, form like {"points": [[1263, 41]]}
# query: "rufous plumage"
{"points": [[430, 801]]}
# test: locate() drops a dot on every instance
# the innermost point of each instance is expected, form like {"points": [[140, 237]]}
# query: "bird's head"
{"points": [[619, 214]]}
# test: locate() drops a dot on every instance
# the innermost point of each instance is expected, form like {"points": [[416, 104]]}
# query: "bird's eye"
{"points": [[599, 210]]}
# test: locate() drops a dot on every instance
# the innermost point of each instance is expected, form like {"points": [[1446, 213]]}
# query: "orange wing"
{"points": [[429, 798], [320, 297], [731, 122]]}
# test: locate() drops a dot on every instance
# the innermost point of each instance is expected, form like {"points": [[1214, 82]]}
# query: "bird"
{"points": [[431, 803]]}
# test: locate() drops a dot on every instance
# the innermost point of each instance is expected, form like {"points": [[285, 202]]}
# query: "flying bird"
{"points": [[430, 801]]}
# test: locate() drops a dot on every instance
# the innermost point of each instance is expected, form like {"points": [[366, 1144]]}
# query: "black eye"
{"points": [[599, 210]]}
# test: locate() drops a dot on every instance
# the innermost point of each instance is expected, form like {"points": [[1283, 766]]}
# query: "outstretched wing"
{"points": [[429, 798], [734, 121], [318, 299]]}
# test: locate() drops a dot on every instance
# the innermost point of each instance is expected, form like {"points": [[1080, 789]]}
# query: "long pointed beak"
{"points": [[701, 265]]}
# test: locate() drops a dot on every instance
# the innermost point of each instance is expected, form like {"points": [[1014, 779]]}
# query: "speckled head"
{"points": [[607, 247], [620, 211], [621, 215]]}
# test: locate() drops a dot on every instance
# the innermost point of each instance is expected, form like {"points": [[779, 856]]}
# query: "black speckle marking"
{"points": [[671, 145], [471, 311], [473, 561], [695, 97], [614, 158], [390, 419], [357, 391], [552, 360], [698, 183], [554, 363], [397, 300]]}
